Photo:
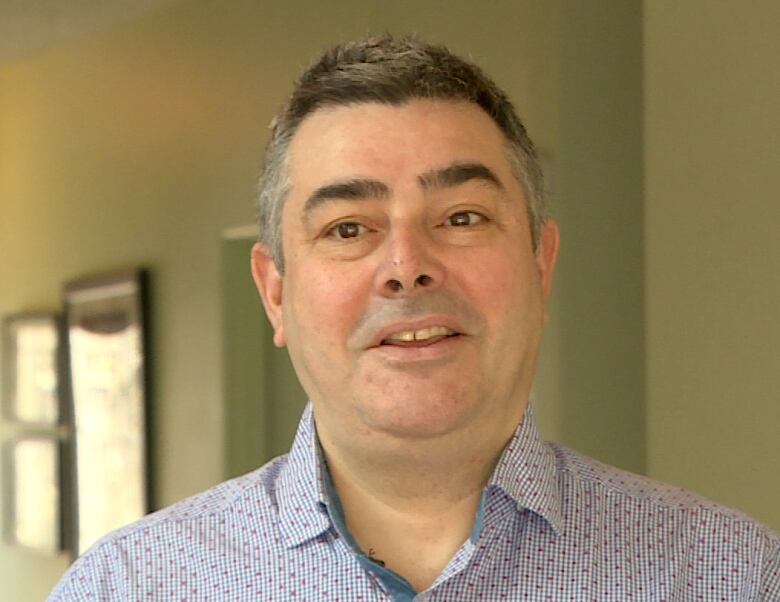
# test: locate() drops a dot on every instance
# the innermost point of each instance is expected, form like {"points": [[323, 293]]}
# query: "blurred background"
{"points": [[131, 134]]}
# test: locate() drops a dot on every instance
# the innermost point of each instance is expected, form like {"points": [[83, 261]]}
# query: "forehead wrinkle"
{"points": [[353, 189], [459, 173]]}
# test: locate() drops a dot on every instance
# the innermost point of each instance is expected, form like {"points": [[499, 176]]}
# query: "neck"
{"points": [[411, 478], [413, 500]]}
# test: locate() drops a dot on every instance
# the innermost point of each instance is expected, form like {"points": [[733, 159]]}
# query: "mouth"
{"points": [[421, 337], [419, 342]]}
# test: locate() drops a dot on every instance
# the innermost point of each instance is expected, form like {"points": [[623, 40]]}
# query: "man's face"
{"points": [[412, 303]]}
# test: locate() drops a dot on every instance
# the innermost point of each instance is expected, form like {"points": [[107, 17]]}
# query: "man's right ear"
{"points": [[269, 283]]}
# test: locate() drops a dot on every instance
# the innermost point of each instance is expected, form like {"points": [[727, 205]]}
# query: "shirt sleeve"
{"points": [[769, 589], [96, 576]]}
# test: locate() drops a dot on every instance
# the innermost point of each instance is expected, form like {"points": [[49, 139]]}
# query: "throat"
{"points": [[417, 550]]}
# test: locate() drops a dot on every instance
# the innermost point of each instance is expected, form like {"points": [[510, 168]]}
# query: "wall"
{"points": [[263, 399], [599, 204], [712, 251]]}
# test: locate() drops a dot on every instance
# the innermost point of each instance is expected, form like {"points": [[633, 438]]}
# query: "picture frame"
{"points": [[33, 499], [107, 324], [33, 370]]}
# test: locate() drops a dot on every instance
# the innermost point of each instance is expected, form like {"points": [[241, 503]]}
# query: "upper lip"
{"points": [[384, 332]]}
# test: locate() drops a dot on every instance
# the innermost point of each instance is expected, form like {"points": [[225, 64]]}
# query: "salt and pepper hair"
{"points": [[390, 71]]}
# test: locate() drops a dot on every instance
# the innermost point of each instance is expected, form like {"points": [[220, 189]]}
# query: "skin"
{"points": [[410, 434]]}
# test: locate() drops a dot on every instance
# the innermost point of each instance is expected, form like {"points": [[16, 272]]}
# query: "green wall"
{"points": [[263, 400], [599, 204], [713, 253]]}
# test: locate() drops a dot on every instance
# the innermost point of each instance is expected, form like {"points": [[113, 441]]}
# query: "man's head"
{"points": [[412, 297], [390, 71]]}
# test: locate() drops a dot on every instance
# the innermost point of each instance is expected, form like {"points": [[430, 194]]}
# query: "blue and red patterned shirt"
{"points": [[553, 526]]}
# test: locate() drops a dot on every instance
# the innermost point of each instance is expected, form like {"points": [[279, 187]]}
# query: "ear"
{"points": [[546, 255], [269, 283]]}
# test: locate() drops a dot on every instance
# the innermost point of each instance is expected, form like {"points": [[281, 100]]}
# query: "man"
{"points": [[405, 262]]}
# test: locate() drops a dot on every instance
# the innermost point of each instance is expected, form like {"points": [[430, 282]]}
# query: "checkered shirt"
{"points": [[554, 526]]}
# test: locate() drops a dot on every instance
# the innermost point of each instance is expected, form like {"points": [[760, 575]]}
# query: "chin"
{"points": [[418, 418]]}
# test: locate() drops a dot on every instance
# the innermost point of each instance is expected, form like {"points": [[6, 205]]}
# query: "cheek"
{"points": [[326, 306], [505, 288], [492, 282]]}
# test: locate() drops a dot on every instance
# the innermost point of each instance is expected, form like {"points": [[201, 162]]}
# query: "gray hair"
{"points": [[390, 71]]}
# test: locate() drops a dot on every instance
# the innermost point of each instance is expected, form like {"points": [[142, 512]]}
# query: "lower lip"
{"points": [[434, 351]]}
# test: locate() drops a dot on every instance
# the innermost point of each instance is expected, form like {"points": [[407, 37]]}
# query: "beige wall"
{"points": [[712, 249], [141, 145]]}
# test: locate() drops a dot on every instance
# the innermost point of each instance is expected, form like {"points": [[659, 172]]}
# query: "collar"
{"points": [[301, 492], [526, 471]]}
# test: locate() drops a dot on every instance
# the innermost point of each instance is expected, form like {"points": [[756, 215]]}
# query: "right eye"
{"points": [[346, 230]]}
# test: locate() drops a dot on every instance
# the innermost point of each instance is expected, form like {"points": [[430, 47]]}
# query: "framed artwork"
{"points": [[32, 502], [32, 369], [106, 326]]}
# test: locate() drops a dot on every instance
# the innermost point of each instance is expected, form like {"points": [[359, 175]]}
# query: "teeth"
{"points": [[420, 335]]}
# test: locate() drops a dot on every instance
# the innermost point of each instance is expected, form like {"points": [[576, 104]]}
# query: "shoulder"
{"points": [[587, 476], [254, 490], [203, 520], [643, 505], [646, 514]]}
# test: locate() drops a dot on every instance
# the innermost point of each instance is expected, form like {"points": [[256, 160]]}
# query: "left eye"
{"points": [[465, 218]]}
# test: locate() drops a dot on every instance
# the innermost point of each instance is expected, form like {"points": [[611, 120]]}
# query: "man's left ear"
{"points": [[546, 255], [269, 283]]}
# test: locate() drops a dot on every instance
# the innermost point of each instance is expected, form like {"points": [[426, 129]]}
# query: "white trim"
{"points": [[102, 291]]}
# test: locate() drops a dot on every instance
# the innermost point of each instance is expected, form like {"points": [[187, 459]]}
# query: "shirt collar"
{"points": [[526, 471], [302, 498]]}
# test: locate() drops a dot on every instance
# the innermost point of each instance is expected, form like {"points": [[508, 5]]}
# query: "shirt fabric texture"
{"points": [[553, 525]]}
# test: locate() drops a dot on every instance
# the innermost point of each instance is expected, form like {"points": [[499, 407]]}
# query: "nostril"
{"points": [[423, 280], [394, 285]]}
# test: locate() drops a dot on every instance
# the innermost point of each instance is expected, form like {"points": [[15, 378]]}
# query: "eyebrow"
{"points": [[458, 173], [356, 189], [352, 190]]}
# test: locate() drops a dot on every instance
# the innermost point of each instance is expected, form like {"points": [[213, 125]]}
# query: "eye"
{"points": [[346, 230], [465, 218]]}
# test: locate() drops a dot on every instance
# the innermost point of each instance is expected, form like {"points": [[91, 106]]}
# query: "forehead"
{"points": [[393, 143]]}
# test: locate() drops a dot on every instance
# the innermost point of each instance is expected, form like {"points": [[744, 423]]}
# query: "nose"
{"points": [[410, 264]]}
